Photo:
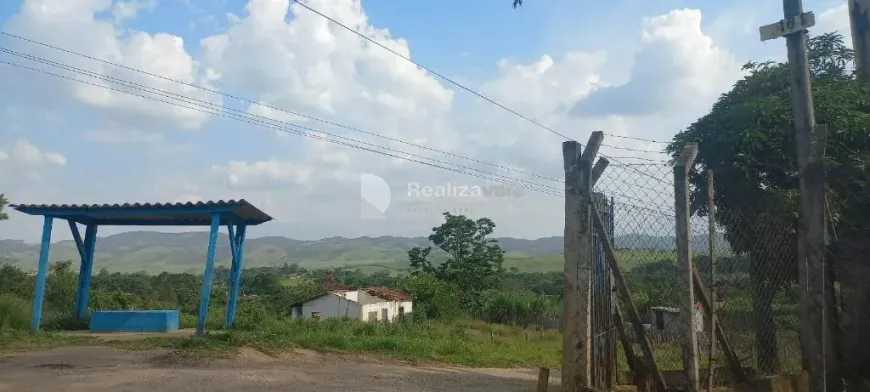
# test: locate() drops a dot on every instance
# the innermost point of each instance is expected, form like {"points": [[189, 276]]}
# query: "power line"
{"points": [[242, 99], [635, 138], [197, 102], [330, 122], [447, 79], [216, 110], [433, 72], [219, 110], [457, 84], [247, 115]]}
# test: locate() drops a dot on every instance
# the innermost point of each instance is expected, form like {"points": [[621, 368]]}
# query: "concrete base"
{"points": [[134, 321]]}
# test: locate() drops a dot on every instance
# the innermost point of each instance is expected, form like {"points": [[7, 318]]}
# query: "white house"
{"points": [[370, 304]]}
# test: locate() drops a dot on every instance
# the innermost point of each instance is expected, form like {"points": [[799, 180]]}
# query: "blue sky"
{"points": [[629, 67]]}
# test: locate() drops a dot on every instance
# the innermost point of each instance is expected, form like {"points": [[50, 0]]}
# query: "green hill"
{"points": [[185, 252]]}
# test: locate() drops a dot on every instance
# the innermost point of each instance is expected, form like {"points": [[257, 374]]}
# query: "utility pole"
{"points": [[859, 18], [817, 344]]}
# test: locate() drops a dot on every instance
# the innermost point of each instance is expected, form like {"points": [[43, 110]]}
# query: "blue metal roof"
{"points": [[148, 214]]}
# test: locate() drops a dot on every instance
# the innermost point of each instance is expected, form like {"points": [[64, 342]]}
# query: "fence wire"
{"points": [[752, 251]]}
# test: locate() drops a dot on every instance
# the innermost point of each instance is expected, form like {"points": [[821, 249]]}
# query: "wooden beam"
{"points": [[598, 169], [627, 346], [633, 314], [543, 379], [727, 349], [592, 147], [711, 248], [682, 214]]}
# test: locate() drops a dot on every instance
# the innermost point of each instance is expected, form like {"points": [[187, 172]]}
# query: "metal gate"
{"points": [[603, 305]]}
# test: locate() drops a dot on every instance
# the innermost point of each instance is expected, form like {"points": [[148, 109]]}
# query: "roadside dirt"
{"points": [[95, 369]]}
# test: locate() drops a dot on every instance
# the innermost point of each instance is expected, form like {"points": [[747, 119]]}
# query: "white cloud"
{"points": [[28, 154], [264, 174], [126, 9], [834, 19], [122, 136], [74, 26], [287, 57], [678, 67], [310, 64]]}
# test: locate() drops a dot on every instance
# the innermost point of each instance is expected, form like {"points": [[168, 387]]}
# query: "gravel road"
{"points": [[95, 369]]}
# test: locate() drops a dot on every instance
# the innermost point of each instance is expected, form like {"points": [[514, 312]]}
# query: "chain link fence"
{"points": [[746, 260]]}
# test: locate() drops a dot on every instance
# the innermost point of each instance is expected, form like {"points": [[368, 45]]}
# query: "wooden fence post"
{"points": [[570, 156], [577, 325], [685, 267], [543, 379]]}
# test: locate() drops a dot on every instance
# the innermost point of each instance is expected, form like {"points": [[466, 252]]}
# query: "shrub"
{"points": [[14, 312]]}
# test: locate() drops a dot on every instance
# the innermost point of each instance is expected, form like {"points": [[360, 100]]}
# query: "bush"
{"points": [[515, 307], [251, 315], [433, 298], [14, 312], [63, 321]]}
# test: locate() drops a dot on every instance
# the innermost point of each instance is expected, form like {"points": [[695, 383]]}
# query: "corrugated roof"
{"points": [[151, 214]]}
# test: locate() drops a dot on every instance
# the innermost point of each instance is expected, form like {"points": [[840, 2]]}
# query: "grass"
{"points": [[462, 342], [466, 343]]}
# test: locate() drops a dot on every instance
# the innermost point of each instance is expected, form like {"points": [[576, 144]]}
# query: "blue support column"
{"points": [[41, 274], [77, 238], [235, 274], [86, 270], [208, 275]]}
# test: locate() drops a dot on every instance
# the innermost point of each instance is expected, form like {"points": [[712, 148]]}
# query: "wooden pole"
{"points": [[711, 223], [543, 379], [859, 18], [820, 291], [570, 299], [683, 212], [804, 121], [818, 352]]}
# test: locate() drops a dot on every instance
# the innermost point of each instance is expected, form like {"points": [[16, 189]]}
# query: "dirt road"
{"points": [[95, 369]]}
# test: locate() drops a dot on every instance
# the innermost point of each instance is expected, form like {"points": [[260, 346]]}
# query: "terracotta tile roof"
{"points": [[387, 293]]}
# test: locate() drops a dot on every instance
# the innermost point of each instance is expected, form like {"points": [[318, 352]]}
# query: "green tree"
{"points": [[3, 203], [747, 139], [474, 261]]}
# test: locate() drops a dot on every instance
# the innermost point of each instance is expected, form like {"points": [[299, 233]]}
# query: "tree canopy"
{"points": [[748, 140], [474, 261]]}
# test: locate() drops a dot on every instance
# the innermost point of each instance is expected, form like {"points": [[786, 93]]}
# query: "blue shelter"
{"points": [[235, 215]]}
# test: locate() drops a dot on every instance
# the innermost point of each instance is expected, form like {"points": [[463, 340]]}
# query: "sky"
{"points": [[189, 100]]}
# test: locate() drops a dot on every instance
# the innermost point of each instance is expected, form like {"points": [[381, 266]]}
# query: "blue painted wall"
{"points": [[134, 321]]}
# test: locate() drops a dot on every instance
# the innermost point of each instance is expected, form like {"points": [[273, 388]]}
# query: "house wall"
{"points": [[329, 306], [392, 308]]}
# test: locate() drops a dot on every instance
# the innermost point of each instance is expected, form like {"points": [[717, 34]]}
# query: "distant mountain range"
{"points": [[177, 252]]}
